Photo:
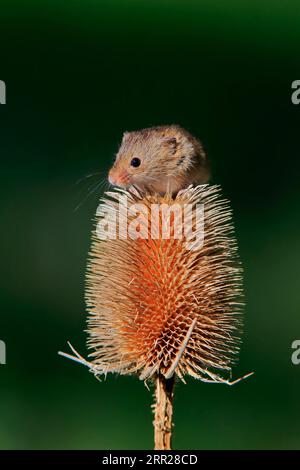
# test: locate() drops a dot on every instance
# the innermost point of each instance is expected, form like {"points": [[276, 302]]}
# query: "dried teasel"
{"points": [[159, 306]]}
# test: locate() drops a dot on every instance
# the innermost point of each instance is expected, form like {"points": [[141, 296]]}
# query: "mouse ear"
{"points": [[172, 143]]}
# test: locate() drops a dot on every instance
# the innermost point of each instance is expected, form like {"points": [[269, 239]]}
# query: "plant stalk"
{"points": [[163, 412]]}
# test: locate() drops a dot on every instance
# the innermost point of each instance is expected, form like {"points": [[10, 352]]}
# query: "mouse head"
{"points": [[157, 159]]}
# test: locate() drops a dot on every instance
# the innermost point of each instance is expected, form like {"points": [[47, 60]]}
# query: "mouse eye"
{"points": [[135, 162]]}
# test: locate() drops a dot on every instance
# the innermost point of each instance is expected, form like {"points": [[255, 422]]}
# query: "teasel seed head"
{"points": [[158, 306]]}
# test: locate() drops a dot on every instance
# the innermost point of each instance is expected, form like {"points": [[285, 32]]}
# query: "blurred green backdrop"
{"points": [[78, 74]]}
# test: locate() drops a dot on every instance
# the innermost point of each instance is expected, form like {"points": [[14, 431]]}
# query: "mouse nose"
{"points": [[118, 178]]}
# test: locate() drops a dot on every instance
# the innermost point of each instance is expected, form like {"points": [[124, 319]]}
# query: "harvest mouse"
{"points": [[160, 159]]}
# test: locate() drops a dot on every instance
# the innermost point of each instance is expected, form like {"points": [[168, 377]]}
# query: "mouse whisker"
{"points": [[84, 178], [91, 190]]}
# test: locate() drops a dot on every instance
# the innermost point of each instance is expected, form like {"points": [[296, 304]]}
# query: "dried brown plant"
{"points": [[158, 308]]}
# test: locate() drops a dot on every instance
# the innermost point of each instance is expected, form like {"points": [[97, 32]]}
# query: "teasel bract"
{"points": [[164, 307]]}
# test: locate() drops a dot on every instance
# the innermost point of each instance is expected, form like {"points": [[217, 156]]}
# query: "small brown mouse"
{"points": [[160, 159]]}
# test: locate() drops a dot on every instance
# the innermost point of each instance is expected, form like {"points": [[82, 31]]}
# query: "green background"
{"points": [[78, 74]]}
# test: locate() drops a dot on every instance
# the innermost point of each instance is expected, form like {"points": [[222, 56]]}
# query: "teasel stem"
{"points": [[163, 412]]}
